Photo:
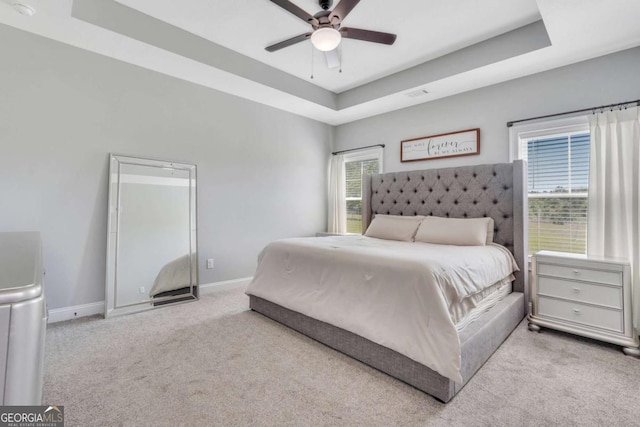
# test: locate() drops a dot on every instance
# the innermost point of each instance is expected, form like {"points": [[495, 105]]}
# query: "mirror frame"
{"points": [[113, 221]]}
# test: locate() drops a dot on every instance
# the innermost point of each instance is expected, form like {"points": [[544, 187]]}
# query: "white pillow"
{"points": [[455, 231], [394, 227], [490, 227]]}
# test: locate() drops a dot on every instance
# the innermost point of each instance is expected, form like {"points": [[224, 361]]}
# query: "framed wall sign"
{"points": [[452, 144]]}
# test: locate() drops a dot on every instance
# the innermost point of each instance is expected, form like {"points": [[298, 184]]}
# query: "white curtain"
{"points": [[614, 186], [337, 218]]}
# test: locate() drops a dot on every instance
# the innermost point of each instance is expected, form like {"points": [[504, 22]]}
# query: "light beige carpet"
{"points": [[214, 363]]}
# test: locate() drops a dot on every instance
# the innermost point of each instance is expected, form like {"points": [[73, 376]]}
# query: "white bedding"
{"points": [[396, 294], [472, 307]]}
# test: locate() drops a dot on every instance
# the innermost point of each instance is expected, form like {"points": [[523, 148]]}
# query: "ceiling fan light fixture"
{"points": [[326, 39]]}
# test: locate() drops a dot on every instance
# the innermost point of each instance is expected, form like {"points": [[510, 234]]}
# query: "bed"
{"points": [[415, 345]]}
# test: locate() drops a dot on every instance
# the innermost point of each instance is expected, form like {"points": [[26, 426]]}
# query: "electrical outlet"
{"points": [[142, 289], [210, 264]]}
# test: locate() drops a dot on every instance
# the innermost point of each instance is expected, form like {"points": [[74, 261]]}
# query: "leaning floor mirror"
{"points": [[151, 242]]}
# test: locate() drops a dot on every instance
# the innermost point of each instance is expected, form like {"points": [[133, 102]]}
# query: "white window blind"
{"points": [[356, 166], [558, 188]]}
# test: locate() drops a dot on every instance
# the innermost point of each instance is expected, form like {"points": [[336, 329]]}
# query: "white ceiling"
{"points": [[373, 78], [425, 29]]}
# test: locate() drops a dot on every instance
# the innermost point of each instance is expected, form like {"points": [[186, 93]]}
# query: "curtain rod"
{"points": [[355, 149], [593, 109]]}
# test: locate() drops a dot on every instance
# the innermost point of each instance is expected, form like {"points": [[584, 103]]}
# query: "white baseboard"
{"points": [[76, 311], [73, 312], [208, 288]]}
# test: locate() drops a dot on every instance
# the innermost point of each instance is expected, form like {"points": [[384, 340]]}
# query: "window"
{"points": [[558, 175], [356, 165]]}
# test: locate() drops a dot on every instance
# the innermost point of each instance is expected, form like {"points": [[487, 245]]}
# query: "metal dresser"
{"points": [[584, 295], [23, 319]]}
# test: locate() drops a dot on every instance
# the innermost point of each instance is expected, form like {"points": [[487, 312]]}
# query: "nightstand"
{"points": [[583, 295]]}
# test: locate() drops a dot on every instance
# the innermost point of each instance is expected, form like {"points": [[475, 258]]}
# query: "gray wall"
{"points": [[261, 172], [605, 80]]}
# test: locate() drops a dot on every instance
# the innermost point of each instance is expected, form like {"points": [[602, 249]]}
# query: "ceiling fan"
{"points": [[327, 32]]}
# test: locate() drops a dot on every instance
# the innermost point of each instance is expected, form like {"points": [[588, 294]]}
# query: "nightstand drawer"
{"points": [[603, 318], [580, 291], [586, 274]]}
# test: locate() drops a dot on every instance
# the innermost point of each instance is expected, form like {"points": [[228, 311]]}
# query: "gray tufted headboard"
{"points": [[498, 191]]}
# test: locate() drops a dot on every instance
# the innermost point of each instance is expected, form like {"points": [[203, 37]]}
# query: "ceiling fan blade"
{"points": [[288, 42], [342, 10], [300, 13], [368, 36], [333, 58]]}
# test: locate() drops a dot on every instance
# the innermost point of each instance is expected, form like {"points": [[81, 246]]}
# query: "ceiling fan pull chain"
{"points": [[311, 60], [340, 47]]}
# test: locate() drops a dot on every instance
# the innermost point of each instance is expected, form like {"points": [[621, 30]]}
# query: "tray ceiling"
{"points": [[442, 47]]}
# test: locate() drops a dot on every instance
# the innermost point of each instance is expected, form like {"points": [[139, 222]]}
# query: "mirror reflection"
{"points": [[152, 259]]}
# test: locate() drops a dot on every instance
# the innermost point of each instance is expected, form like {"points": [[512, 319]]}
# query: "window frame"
{"points": [[545, 129], [358, 156]]}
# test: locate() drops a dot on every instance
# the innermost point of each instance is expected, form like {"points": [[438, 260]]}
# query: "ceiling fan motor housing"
{"points": [[323, 20]]}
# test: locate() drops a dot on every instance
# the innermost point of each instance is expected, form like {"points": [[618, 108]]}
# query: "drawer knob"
{"points": [[576, 272], [576, 290], [576, 311]]}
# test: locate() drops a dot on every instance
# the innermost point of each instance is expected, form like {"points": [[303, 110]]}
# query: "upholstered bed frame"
{"points": [[497, 191]]}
